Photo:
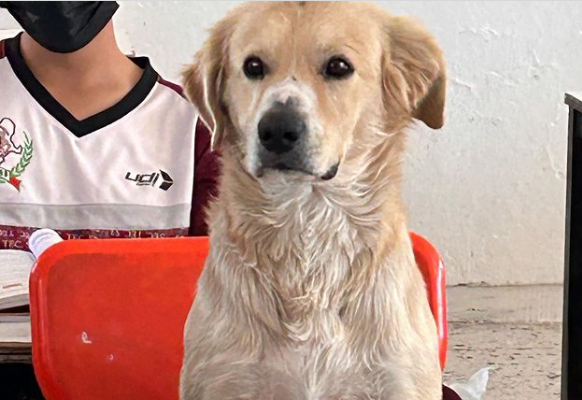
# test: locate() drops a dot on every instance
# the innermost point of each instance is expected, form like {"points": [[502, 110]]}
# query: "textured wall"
{"points": [[488, 189]]}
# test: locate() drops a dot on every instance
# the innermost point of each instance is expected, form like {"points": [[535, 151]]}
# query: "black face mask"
{"points": [[62, 26]]}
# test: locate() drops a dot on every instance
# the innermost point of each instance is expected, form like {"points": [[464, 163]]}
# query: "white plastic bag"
{"points": [[475, 388]]}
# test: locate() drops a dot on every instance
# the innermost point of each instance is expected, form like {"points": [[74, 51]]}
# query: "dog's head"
{"points": [[296, 87]]}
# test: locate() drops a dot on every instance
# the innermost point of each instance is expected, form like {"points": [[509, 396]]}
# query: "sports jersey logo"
{"points": [[151, 179], [8, 147]]}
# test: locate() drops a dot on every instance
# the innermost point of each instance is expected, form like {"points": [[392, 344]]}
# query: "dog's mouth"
{"points": [[283, 167], [331, 173]]}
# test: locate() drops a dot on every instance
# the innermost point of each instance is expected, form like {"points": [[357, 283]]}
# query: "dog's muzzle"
{"points": [[283, 141]]}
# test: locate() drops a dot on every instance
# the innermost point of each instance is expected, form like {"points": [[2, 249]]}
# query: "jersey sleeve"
{"points": [[206, 173]]}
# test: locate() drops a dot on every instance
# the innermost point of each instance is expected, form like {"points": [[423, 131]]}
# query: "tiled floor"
{"points": [[524, 354]]}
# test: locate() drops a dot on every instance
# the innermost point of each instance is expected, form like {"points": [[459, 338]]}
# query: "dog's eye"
{"points": [[254, 68], [338, 68]]}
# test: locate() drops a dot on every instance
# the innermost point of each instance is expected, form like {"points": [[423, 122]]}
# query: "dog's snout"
{"points": [[281, 129]]}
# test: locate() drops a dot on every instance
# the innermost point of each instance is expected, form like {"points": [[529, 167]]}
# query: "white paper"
{"points": [[475, 388]]}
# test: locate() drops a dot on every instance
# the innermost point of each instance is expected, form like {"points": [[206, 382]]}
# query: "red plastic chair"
{"points": [[433, 270], [108, 315]]}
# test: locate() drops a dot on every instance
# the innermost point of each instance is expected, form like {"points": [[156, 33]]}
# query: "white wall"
{"points": [[489, 188]]}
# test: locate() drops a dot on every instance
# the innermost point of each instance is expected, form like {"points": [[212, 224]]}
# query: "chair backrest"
{"points": [[433, 270], [108, 315]]}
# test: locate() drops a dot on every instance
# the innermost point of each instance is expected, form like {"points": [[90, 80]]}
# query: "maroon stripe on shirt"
{"points": [[2, 51], [176, 88], [206, 173], [16, 237]]}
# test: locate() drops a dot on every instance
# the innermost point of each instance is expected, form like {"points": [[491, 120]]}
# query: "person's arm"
{"points": [[206, 172]]}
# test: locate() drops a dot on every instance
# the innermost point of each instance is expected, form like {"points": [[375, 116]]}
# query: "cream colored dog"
{"points": [[310, 290]]}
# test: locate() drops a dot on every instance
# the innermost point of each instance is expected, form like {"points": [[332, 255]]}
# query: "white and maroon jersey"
{"points": [[125, 172]]}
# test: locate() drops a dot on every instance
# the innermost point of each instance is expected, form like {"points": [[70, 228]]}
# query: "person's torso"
{"points": [[126, 172]]}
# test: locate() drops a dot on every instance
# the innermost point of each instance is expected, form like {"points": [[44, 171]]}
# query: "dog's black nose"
{"points": [[280, 129]]}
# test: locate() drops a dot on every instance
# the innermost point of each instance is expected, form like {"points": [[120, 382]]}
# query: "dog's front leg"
{"points": [[412, 370], [191, 375], [228, 374], [229, 356], [400, 342], [408, 381]]}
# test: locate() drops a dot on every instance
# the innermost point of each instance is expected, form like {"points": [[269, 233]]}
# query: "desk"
{"points": [[572, 337], [15, 338], [15, 330]]}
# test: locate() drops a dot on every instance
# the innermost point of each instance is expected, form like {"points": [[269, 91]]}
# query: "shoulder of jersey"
{"points": [[174, 89], [175, 94]]}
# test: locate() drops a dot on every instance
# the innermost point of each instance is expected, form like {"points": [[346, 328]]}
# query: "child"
{"points": [[93, 143]]}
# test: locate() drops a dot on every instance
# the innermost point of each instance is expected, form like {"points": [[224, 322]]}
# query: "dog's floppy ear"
{"points": [[414, 72], [204, 81]]}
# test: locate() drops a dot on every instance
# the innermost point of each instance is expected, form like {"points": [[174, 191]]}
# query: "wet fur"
{"points": [[310, 290]]}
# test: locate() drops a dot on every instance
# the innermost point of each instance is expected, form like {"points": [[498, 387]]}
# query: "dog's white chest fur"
{"points": [[303, 251]]}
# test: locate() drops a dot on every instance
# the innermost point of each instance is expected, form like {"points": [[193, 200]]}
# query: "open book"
{"points": [[15, 266]]}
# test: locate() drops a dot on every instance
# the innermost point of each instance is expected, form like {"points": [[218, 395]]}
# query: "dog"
{"points": [[310, 290]]}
